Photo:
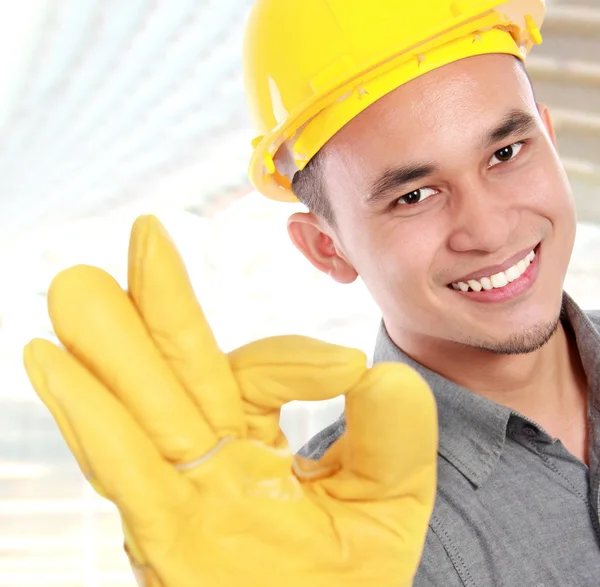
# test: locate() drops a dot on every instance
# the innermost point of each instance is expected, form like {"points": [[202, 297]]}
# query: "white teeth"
{"points": [[486, 283], [499, 280], [512, 273], [475, 285]]}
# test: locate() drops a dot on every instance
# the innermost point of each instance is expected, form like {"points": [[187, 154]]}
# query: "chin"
{"points": [[520, 341]]}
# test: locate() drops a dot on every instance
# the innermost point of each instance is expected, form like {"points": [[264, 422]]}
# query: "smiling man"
{"points": [[449, 200], [411, 132], [446, 195]]}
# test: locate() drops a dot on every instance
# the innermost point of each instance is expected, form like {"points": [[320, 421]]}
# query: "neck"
{"points": [[547, 386]]}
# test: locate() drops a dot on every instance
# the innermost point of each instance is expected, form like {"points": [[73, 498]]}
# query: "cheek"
{"points": [[397, 258], [549, 189], [554, 202]]}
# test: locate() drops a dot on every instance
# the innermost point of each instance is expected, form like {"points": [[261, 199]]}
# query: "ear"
{"points": [[547, 120], [311, 236]]}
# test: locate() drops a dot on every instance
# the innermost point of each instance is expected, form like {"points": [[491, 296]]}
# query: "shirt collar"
{"points": [[472, 429], [585, 328], [588, 342]]}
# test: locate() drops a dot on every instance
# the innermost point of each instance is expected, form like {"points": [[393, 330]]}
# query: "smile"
{"points": [[500, 284], [498, 280]]}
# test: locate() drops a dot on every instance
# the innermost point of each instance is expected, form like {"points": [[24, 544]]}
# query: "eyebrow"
{"points": [[392, 179], [516, 122]]}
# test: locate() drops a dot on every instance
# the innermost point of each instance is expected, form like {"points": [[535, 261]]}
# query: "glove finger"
{"points": [[274, 371], [64, 426], [389, 447], [95, 319], [117, 453], [160, 288]]}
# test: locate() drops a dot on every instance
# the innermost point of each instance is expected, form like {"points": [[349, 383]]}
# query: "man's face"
{"points": [[452, 179]]}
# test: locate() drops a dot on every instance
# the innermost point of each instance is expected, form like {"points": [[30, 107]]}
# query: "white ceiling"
{"points": [[105, 102]]}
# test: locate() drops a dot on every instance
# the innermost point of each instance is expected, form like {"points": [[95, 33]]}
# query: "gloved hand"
{"points": [[185, 440]]}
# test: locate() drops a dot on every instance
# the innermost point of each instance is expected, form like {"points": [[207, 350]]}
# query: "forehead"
{"points": [[462, 99]]}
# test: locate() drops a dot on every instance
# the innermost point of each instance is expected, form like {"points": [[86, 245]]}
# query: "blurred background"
{"points": [[110, 109]]}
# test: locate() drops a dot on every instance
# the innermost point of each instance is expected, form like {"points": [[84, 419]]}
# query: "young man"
{"points": [[430, 172]]}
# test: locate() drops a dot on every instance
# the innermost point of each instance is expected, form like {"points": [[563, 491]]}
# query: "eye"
{"points": [[506, 154], [416, 196]]}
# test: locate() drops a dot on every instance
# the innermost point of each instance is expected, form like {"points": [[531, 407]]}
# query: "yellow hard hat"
{"points": [[311, 66]]}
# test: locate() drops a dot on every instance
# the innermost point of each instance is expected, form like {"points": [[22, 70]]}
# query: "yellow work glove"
{"points": [[185, 439]]}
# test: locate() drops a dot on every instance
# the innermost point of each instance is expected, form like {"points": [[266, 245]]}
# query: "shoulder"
{"points": [[436, 568], [594, 317], [316, 447]]}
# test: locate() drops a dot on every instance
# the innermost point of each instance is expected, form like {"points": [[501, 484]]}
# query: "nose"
{"points": [[483, 219]]}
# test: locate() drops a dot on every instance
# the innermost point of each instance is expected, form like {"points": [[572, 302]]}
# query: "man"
{"points": [[430, 172]]}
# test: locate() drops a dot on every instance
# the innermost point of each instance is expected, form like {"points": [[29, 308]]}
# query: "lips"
{"points": [[491, 270]]}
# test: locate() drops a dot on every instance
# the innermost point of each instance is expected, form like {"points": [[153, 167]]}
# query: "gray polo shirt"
{"points": [[514, 508]]}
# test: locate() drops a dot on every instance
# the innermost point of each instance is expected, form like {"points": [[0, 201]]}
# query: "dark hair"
{"points": [[308, 186]]}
